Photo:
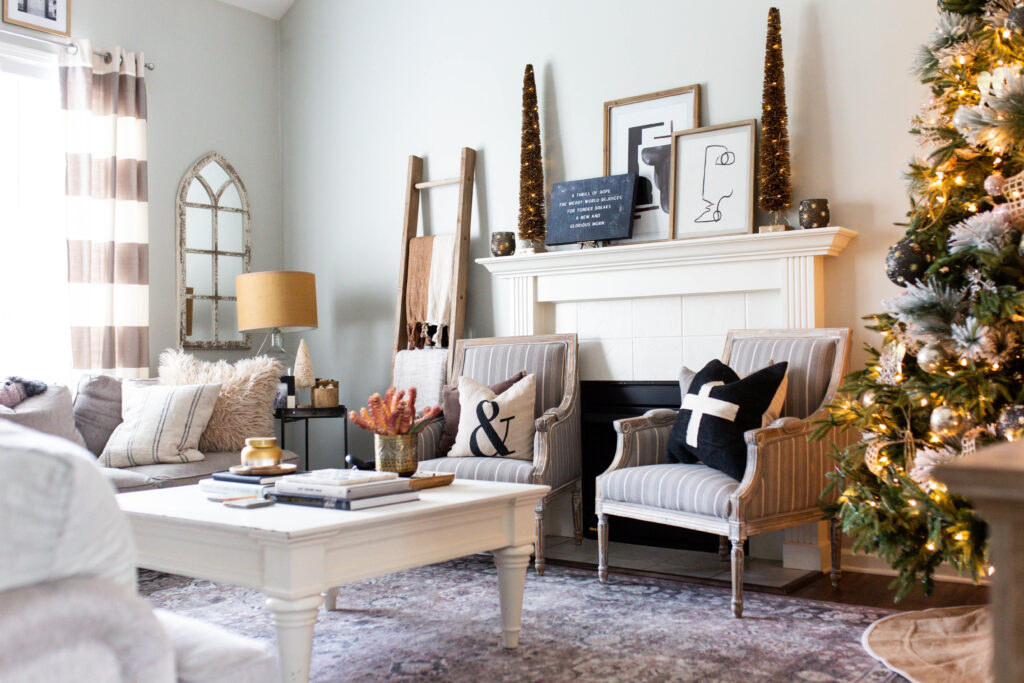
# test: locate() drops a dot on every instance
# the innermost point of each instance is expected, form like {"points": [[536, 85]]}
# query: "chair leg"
{"points": [[836, 541], [723, 548], [577, 512], [602, 548], [737, 577], [538, 552]]}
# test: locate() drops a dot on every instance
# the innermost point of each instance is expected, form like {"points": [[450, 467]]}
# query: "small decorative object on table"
{"points": [[429, 480], [503, 243], [261, 452], [392, 419], [326, 393], [289, 389], [814, 213], [304, 377]]}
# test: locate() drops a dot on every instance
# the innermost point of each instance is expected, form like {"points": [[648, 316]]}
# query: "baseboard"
{"points": [[872, 564]]}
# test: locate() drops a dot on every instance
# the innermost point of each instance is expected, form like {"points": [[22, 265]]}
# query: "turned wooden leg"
{"points": [[836, 541], [538, 556], [294, 621], [577, 512], [602, 548], [723, 548], [737, 577], [331, 599], [512, 563]]}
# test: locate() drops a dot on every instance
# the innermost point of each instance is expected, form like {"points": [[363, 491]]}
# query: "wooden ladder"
{"points": [[460, 263]]}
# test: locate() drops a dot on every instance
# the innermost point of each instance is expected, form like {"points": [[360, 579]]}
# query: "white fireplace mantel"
{"points": [[642, 311], [789, 262]]}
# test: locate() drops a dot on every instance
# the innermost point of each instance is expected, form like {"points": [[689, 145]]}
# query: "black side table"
{"points": [[304, 415]]}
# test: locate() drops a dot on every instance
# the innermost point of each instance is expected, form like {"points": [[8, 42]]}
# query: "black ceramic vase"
{"points": [[814, 213], [503, 243]]}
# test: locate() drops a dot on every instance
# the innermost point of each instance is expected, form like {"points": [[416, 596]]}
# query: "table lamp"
{"points": [[276, 301]]}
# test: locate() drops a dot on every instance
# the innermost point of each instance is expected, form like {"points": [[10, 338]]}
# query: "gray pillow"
{"points": [[49, 412], [97, 409]]}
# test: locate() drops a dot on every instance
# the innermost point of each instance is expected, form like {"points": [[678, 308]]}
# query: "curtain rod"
{"points": [[70, 47]]}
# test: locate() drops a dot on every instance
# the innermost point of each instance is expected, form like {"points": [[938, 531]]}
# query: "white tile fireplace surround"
{"points": [[643, 310]]}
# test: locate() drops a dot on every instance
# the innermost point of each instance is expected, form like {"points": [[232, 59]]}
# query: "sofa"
{"points": [[90, 416], [69, 609]]}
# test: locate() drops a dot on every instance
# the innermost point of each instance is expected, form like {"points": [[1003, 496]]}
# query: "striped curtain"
{"points": [[104, 100]]}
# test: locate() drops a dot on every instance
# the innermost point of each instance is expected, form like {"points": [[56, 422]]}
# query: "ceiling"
{"points": [[274, 9]]}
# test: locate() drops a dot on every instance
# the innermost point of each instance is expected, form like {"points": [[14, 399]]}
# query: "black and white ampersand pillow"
{"points": [[495, 425]]}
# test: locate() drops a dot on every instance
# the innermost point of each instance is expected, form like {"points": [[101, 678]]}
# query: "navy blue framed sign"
{"points": [[591, 210]]}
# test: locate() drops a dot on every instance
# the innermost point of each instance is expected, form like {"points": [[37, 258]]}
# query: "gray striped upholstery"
{"points": [[507, 470], [428, 441], [563, 448], [682, 488], [491, 363], [810, 367]]}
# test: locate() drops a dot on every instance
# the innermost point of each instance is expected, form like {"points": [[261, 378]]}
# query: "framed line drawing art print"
{"points": [[713, 180], [49, 16], [638, 139]]}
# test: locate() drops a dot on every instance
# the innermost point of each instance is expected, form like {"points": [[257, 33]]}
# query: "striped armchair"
{"points": [[785, 473], [556, 447]]}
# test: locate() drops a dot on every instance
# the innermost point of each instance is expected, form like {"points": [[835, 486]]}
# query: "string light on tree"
{"points": [[531, 171], [775, 190]]}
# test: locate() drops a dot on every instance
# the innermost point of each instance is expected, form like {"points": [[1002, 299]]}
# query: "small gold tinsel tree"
{"points": [[776, 192], [531, 169]]}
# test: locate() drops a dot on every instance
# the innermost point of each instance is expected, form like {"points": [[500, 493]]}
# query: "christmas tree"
{"points": [[776, 192], [949, 376], [531, 169]]}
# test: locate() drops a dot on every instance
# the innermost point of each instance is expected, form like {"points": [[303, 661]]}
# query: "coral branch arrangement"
{"points": [[948, 377], [394, 413]]}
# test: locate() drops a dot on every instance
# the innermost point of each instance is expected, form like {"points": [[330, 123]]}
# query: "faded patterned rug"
{"points": [[442, 623]]}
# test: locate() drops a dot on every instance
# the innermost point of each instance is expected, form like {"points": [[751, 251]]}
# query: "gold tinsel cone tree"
{"points": [[531, 169], [776, 191]]}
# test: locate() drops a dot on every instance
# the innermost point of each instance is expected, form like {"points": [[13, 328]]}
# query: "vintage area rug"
{"points": [[442, 623]]}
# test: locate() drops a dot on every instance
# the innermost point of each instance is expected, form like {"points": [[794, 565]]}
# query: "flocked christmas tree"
{"points": [[531, 169], [776, 191], [948, 377]]}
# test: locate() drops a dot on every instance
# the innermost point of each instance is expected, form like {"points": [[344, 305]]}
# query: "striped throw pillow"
{"points": [[162, 424]]}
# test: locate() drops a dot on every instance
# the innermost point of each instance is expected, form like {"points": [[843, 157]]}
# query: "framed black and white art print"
{"points": [[713, 180], [50, 16], [637, 139]]}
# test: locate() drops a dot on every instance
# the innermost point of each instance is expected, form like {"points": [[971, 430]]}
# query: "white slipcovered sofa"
{"points": [[69, 610]]}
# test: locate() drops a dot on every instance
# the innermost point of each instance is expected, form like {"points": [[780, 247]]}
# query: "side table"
{"points": [[288, 415]]}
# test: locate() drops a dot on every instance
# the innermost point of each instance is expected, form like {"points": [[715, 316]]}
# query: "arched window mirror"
{"points": [[213, 248]]}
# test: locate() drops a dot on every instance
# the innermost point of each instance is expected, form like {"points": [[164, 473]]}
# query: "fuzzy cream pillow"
{"points": [[245, 407]]}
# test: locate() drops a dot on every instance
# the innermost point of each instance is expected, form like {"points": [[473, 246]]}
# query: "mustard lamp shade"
{"points": [[276, 300]]}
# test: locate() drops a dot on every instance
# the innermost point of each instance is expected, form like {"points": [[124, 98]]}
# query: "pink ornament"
{"points": [[1003, 211], [994, 184]]}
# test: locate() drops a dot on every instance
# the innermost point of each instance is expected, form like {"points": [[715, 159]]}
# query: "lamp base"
{"points": [[273, 346]]}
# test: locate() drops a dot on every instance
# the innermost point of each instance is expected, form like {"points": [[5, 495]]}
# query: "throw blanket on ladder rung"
{"points": [[428, 290]]}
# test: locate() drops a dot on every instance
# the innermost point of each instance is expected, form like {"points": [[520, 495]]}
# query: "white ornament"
{"points": [[1013, 190], [890, 364]]}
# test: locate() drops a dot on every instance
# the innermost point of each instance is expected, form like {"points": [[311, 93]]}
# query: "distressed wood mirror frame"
{"points": [[207, 305]]}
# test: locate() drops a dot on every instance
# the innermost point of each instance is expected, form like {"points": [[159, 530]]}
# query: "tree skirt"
{"points": [[442, 623], [944, 645]]}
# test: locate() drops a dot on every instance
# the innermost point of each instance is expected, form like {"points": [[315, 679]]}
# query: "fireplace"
{"points": [[601, 404]]}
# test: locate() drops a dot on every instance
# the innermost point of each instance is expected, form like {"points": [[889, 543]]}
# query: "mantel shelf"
{"points": [[729, 248]]}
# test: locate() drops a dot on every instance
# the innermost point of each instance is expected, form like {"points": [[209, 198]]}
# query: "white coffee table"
{"points": [[295, 554]]}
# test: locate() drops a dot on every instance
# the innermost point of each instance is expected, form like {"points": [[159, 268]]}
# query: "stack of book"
{"points": [[224, 485], [342, 489]]}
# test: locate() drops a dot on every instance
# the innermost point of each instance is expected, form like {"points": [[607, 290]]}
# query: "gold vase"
{"points": [[395, 453], [261, 452]]}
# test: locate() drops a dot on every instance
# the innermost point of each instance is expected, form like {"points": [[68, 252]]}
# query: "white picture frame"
{"points": [[49, 16], [713, 180], [637, 139]]}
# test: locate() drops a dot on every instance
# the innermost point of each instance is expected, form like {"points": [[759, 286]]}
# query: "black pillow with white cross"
{"points": [[718, 408]]}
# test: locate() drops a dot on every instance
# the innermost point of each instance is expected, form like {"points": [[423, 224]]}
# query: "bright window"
{"points": [[36, 337]]}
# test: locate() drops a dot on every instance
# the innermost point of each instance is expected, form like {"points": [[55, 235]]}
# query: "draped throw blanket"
{"points": [[104, 102], [428, 294]]}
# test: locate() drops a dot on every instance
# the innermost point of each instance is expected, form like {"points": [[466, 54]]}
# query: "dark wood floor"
{"points": [[872, 590]]}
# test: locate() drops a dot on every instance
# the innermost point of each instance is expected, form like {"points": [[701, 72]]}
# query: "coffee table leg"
{"points": [[331, 599], [294, 620], [512, 563]]}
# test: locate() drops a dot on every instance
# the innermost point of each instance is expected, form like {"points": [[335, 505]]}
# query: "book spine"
{"points": [[309, 501], [228, 487], [237, 478]]}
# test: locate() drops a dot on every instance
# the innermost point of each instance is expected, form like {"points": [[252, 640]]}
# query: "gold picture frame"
{"points": [[721, 160], [48, 16], [625, 123]]}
